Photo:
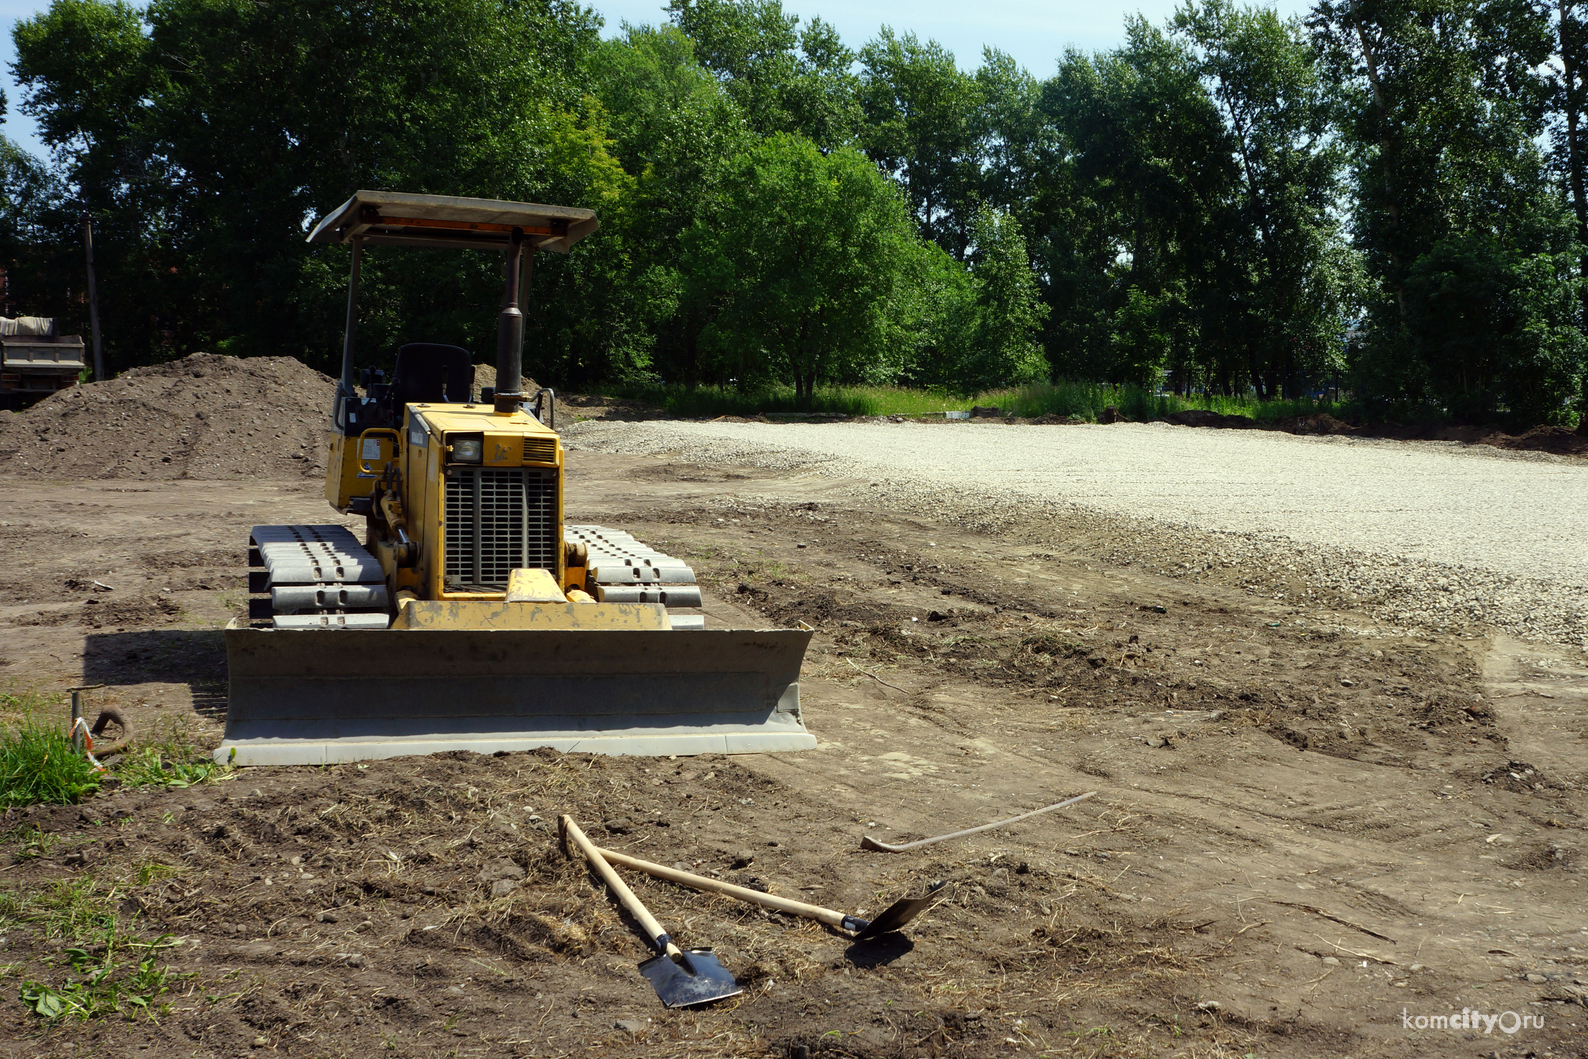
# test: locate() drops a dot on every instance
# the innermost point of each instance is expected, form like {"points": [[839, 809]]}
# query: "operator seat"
{"points": [[430, 373]]}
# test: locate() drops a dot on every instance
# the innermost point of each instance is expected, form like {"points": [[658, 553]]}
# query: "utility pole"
{"points": [[93, 298]]}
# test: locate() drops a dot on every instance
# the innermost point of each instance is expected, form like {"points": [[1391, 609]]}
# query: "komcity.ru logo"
{"points": [[1468, 1019]]}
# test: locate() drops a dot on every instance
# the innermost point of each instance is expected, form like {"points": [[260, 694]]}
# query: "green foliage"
{"points": [[1082, 401], [804, 255], [1216, 197], [37, 761], [984, 331], [202, 133], [920, 126], [1496, 335], [1132, 251], [1279, 264], [783, 78], [104, 986], [175, 759], [1441, 107], [111, 970], [675, 129]]}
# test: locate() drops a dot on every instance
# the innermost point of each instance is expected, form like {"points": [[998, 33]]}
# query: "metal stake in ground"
{"points": [[867, 842], [893, 917], [681, 978]]}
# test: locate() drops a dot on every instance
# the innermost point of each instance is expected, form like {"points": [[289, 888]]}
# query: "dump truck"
{"points": [[469, 616], [35, 360]]}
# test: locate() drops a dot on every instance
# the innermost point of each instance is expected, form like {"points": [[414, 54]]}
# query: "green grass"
{"points": [[39, 765], [706, 402], [37, 760], [30, 842], [109, 970], [173, 759], [1082, 401], [1086, 401]]}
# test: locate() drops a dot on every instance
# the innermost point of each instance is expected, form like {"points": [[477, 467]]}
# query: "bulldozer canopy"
{"points": [[398, 219]]}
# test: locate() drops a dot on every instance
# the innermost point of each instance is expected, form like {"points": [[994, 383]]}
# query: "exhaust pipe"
{"points": [[510, 334]]}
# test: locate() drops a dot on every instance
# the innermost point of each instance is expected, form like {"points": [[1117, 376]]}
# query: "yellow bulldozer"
{"points": [[470, 617]]}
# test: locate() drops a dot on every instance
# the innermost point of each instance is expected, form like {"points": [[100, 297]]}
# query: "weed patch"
{"points": [[99, 984], [30, 842], [104, 969], [38, 763], [173, 760]]}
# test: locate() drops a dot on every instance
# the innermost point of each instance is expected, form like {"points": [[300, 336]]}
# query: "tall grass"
{"points": [[37, 760], [707, 402], [1086, 401], [1077, 400]]}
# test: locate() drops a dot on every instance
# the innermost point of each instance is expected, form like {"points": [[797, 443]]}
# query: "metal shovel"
{"points": [[681, 978], [893, 917]]}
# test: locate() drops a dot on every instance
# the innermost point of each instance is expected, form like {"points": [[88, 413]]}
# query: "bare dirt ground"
{"points": [[1310, 829]]}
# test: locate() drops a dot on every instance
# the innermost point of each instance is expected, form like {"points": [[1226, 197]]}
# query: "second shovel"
{"points": [[892, 918]]}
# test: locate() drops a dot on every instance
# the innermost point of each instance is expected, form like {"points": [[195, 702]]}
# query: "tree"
{"points": [[784, 78], [920, 128], [204, 144], [676, 129], [1003, 349], [1150, 169], [1568, 105], [1282, 240], [1440, 104], [805, 253], [1014, 143], [36, 278]]}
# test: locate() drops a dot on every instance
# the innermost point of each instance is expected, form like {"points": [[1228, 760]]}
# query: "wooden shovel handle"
{"points": [[619, 887], [756, 897]]}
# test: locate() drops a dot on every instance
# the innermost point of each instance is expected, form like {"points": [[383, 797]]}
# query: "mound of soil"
{"points": [[204, 416], [1201, 417], [1558, 440]]}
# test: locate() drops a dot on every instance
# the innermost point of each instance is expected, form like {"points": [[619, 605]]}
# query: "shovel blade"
{"points": [[901, 912], [698, 979]]}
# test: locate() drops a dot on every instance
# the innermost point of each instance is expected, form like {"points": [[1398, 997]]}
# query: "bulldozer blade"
{"points": [[314, 698]]}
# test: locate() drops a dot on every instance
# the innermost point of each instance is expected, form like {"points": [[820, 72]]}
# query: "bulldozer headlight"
{"points": [[467, 449]]}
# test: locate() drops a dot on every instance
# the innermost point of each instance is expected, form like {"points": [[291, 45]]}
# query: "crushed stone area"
{"points": [[1426, 534]]}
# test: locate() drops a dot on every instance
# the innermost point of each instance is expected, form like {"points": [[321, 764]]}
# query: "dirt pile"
{"points": [[1201, 417], [204, 416]]}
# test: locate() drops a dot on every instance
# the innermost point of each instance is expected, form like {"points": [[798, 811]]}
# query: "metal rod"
{"points": [[77, 715], [510, 332], [526, 273], [93, 298], [350, 332], [870, 843]]}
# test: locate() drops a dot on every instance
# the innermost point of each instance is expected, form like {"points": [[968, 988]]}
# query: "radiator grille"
{"points": [[540, 450], [496, 521]]}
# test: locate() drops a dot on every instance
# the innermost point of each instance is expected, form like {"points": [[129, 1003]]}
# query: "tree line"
{"points": [[1386, 195]]}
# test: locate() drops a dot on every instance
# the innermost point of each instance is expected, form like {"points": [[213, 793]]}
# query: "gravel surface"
{"points": [[1432, 534]]}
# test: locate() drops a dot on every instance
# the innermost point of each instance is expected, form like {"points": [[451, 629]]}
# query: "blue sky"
{"points": [[1035, 32]]}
